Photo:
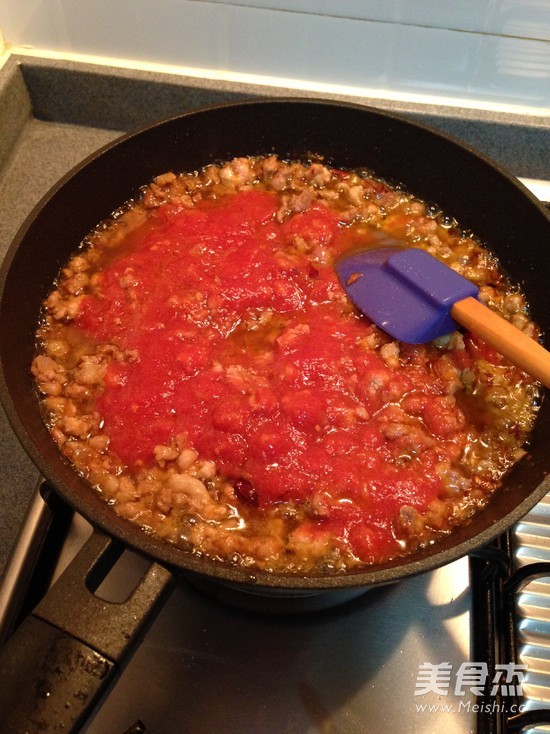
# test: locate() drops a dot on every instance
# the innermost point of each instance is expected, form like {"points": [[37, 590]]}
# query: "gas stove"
{"points": [[465, 647]]}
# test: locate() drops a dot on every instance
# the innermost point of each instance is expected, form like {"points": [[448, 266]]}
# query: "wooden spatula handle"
{"points": [[521, 350]]}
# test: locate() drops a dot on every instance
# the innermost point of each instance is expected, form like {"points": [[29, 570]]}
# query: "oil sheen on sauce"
{"points": [[250, 349]]}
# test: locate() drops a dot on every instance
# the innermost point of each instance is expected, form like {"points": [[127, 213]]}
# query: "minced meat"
{"points": [[202, 367]]}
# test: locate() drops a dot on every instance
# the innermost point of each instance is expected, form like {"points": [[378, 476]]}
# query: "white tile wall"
{"points": [[528, 18], [488, 51]]}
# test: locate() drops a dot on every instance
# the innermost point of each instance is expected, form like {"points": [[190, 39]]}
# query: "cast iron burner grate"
{"points": [[495, 633]]}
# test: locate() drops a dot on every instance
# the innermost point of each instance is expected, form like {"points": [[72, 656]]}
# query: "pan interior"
{"points": [[477, 193]]}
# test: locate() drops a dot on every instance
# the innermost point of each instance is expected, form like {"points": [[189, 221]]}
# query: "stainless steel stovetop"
{"points": [[406, 657], [207, 666]]}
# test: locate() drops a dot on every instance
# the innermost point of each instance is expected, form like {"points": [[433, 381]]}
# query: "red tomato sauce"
{"points": [[251, 351]]}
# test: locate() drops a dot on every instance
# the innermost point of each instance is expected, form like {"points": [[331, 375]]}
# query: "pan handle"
{"points": [[64, 656]]}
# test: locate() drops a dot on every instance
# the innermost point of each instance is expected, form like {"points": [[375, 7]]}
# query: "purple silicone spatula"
{"points": [[416, 298]]}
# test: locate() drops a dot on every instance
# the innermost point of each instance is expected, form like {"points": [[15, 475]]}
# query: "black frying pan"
{"points": [[467, 186]]}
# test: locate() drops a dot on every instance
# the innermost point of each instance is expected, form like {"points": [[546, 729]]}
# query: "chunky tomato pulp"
{"points": [[248, 346]]}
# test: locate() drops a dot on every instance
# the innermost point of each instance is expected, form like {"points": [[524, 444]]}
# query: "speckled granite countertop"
{"points": [[54, 113]]}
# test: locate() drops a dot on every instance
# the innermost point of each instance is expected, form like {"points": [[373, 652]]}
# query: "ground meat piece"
{"points": [[390, 353], [238, 172], [89, 371], [49, 375]]}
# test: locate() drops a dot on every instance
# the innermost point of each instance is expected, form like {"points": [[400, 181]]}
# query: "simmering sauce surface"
{"points": [[240, 403]]}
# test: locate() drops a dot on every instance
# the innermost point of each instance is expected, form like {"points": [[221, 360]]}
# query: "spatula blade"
{"points": [[406, 292]]}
